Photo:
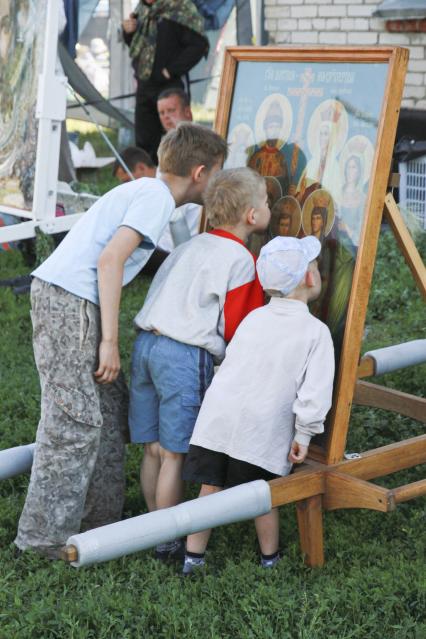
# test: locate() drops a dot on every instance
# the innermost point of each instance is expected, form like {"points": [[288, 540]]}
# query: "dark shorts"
{"points": [[206, 466]]}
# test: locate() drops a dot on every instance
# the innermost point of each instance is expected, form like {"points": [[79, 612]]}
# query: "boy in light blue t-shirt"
{"points": [[77, 476]]}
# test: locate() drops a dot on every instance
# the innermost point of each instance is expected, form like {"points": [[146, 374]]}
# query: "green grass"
{"points": [[372, 587]]}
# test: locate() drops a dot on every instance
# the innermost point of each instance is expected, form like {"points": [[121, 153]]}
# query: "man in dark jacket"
{"points": [[166, 40]]}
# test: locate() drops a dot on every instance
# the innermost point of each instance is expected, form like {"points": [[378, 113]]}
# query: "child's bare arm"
{"points": [[297, 453], [110, 282]]}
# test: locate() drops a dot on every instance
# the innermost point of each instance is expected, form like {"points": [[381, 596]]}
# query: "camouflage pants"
{"points": [[77, 478]]}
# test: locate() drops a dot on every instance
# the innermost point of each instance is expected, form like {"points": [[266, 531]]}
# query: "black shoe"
{"points": [[17, 553], [175, 553], [270, 562]]}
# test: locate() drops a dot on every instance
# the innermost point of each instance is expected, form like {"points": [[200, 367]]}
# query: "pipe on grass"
{"points": [[398, 356], [14, 461], [139, 533]]}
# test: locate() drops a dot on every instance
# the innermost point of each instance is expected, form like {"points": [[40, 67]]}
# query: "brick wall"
{"points": [[340, 22]]}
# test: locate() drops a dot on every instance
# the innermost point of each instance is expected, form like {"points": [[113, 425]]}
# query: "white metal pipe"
{"points": [[24, 230], [16, 232], [398, 356], [14, 461], [139, 533], [60, 224]]}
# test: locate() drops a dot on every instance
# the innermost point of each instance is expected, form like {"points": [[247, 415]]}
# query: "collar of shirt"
{"points": [[286, 305], [229, 236]]}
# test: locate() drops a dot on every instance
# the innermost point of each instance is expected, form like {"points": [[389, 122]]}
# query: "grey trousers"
{"points": [[77, 478]]}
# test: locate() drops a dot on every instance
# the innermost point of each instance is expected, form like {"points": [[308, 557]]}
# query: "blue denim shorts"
{"points": [[168, 382]]}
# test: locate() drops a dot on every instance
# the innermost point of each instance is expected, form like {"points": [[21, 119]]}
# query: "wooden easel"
{"points": [[319, 486], [327, 481]]}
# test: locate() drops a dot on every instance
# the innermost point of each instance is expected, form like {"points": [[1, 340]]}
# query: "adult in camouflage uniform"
{"points": [[166, 40], [77, 478]]}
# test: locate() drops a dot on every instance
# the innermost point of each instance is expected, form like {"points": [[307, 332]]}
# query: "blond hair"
{"points": [[190, 145], [230, 193]]}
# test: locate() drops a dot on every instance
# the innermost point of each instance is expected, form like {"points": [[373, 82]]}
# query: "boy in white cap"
{"points": [[271, 393]]}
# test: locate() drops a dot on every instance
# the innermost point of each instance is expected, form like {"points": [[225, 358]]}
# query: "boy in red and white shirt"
{"points": [[196, 301]]}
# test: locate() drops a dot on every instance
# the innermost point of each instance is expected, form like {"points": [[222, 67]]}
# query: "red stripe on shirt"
{"points": [[240, 301]]}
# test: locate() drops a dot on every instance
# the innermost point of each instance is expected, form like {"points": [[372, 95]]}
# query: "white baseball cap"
{"points": [[283, 262]]}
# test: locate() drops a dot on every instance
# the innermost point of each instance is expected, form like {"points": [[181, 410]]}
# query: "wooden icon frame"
{"points": [[331, 448]]}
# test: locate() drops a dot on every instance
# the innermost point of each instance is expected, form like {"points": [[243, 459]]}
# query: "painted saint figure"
{"points": [[349, 229], [269, 159], [318, 219], [286, 217], [284, 225], [318, 222], [327, 132], [352, 195], [355, 166]]}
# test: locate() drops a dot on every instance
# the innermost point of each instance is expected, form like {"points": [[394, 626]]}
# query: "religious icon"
{"points": [[272, 128], [286, 217], [317, 121], [318, 214], [327, 133], [355, 167], [241, 145], [318, 217]]}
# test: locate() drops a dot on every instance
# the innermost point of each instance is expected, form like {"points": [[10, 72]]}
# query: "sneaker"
{"points": [[193, 566], [270, 562], [170, 551]]}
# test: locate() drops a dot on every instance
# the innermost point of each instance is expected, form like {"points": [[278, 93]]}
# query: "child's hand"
{"points": [[109, 363], [297, 453]]}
